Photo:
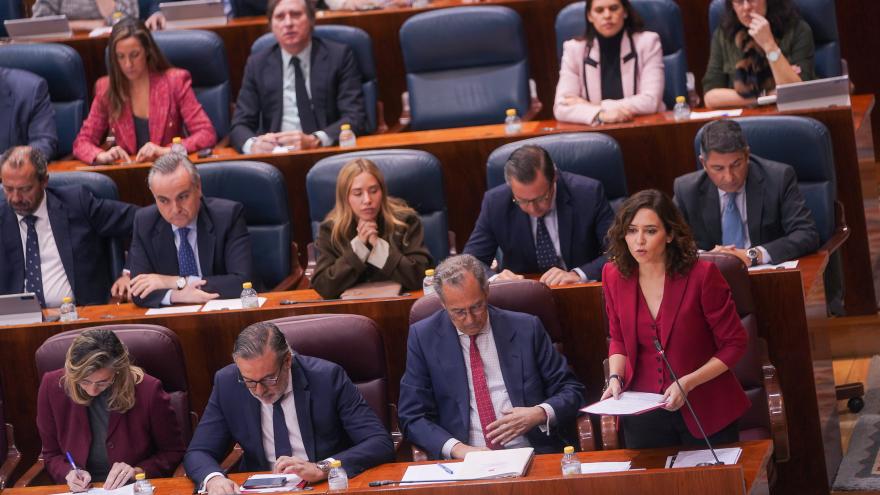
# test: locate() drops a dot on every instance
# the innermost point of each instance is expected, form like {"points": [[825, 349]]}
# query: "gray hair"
{"points": [[525, 163], [722, 136], [19, 156], [256, 339], [169, 163], [452, 270]]}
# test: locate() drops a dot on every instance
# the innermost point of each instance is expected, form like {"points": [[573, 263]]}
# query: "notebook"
{"points": [[180, 15], [372, 290], [819, 93], [491, 464], [51, 26]]}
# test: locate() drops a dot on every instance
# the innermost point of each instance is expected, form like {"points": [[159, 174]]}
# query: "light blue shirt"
{"points": [[192, 239], [723, 199]]}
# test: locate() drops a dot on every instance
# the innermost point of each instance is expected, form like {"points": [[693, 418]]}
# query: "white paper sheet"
{"points": [[693, 457], [604, 467], [292, 481], [628, 403], [711, 114], [788, 265], [489, 464], [123, 490], [173, 310], [427, 473], [220, 304]]}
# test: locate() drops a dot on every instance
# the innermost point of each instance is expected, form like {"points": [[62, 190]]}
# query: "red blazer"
{"points": [[146, 436], [698, 322], [173, 107]]}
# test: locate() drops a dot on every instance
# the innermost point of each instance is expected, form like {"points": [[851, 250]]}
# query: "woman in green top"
{"points": [[758, 45]]}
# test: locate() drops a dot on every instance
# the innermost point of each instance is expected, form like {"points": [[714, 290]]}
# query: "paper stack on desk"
{"points": [[490, 464], [290, 484], [693, 457], [628, 403]]}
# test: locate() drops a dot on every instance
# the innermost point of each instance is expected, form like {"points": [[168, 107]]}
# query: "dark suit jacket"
{"points": [[28, 115], [434, 392], [583, 214], [336, 92], [777, 215], [333, 417], [146, 436], [224, 245], [698, 321], [81, 224]]}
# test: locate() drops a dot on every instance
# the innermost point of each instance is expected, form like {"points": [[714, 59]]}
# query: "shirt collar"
{"points": [[42, 211], [723, 194], [304, 56], [191, 226]]}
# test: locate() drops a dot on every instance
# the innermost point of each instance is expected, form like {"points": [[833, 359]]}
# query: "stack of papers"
{"points": [[604, 467], [789, 265], [289, 486], [122, 490], [432, 473], [491, 464], [628, 403], [693, 458], [221, 304]]}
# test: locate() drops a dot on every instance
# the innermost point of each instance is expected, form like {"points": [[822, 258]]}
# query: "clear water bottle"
{"points": [[512, 123], [347, 139], [68, 310], [428, 282], [681, 111], [116, 17], [249, 297], [337, 478], [141, 485], [570, 463], [177, 146]]}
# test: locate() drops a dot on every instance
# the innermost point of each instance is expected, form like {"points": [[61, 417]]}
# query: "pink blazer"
{"points": [[651, 78], [698, 321], [173, 107]]}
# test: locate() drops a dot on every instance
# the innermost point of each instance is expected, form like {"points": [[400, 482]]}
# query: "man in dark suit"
{"points": [[289, 413], [743, 204], [54, 239], [297, 93], [186, 248], [28, 116], [544, 221], [478, 376]]}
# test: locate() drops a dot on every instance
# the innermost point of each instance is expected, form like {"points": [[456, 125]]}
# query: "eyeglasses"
{"points": [[536, 201], [474, 310], [98, 384], [739, 3], [266, 382]]}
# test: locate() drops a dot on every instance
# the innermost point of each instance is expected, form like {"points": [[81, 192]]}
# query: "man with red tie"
{"points": [[480, 377]]}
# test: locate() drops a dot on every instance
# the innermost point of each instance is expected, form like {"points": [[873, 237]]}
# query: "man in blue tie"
{"points": [[187, 248], [743, 204]]}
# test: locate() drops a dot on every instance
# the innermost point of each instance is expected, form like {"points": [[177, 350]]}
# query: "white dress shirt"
{"points": [[192, 239], [723, 199], [55, 284]]}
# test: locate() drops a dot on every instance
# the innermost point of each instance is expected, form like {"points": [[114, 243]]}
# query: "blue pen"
{"points": [[72, 464], [443, 467]]}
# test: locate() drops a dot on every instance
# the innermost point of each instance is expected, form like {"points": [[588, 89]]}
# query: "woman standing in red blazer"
{"points": [[144, 102], [114, 419], [656, 290]]}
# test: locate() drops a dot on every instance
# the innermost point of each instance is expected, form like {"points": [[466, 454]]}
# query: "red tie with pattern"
{"points": [[481, 392]]}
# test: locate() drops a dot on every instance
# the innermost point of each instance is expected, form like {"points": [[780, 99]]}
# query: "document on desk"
{"points": [[628, 403], [693, 457], [432, 473], [604, 467], [123, 490], [221, 304], [173, 310], [711, 114], [788, 265], [491, 464], [292, 483]]}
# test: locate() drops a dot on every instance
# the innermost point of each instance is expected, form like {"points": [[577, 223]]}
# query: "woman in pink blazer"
{"points": [[658, 292], [144, 102], [591, 89]]}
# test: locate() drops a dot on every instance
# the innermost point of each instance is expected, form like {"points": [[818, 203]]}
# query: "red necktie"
{"points": [[481, 392]]}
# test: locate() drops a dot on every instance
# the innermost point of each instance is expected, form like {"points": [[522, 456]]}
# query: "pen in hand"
{"points": [[78, 475]]}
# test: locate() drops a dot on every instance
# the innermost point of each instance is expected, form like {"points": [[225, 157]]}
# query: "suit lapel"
{"points": [[206, 240], [160, 102], [6, 125], [509, 356], [253, 426], [564, 219], [61, 232], [302, 401], [80, 449], [113, 422], [711, 211], [163, 246], [521, 232], [673, 292], [454, 369], [629, 294], [274, 81], [754, 202], [317, 81], [593, 75], [10, 236], [627, 65]]}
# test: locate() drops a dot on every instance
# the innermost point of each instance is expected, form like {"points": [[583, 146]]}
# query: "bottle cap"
{"points": [[140, 476], [335, 463], [429, 272], [568, 449], [679, 99], [117, 15], [345, 127], [511, 112], [176, 140], [67, 299], [247, 285]]}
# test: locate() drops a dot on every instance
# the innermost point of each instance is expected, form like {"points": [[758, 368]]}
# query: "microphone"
{"points": [[401, 482], [688, 403]]}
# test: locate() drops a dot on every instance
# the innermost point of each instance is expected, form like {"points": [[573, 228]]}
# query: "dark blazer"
{"points": [[698, 321], [583, 214], [146, 436], [224, 245], [336, 92], [81, 224], [28, 115], [777, 215], [434, 392], [333, 417]]}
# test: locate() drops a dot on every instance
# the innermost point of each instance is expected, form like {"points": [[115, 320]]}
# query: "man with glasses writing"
{"points": [[544, 222], [289, 413]]}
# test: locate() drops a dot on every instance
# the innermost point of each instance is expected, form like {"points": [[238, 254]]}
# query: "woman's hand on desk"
{"points": [[150, 152], [614, 115], [119, 475], [114, 154], [78, 480]]}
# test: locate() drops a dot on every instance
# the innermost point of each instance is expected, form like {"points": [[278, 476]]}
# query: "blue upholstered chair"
{"points": [[62, 68], [362, 46], [591, 154], [10, 9], [661, 16], [411, 175], [821, 15], [260, 187], [478, 71]]}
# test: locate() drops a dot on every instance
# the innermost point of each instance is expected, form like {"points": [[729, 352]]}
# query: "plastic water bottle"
{"points": [[249, 297], [141, 485], [68, 310], [347, 139], [116, 17], [512, 123], [570, 463], [337, 478], [428, 282], [681, 111], [177, 146]]}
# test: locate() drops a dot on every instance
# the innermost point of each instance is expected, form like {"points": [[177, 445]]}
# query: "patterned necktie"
{"points": [[186, 259], [279, 427], [481, 391], [732, 224], [307, 120], [33, 272], [544, 249]]}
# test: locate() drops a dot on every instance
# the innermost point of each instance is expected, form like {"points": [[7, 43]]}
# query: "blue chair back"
{"points": [[62, 68], [805, 144], [821, 15], [478, 71], [260, 187], [10, 9], [661, 16], [362, 46], [591, 154], [411, 175]]}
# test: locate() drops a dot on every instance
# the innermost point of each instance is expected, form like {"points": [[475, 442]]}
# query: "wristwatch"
{"points": [[774, 55], [181, 283], [324, 465], [614, 376], [752, 254]]}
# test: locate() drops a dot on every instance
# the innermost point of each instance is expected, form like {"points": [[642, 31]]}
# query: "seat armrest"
{"points": [[418, 454], [841, 232], [13, 457], [776, 408], [535, 104], [31, 473], [586, 439], [232, 459], [610, 432], [295, 279]]}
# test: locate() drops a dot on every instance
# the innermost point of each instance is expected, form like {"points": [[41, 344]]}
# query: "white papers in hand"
{"points": [[292, 481], [172, 310], [789, 265], [122, 490], [488, 464], [604, 467], [693, 457], [736, 112], [427, 473], [628, 403], [221, 304]]}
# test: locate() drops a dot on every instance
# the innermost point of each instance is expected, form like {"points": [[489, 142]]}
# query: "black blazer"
{"points": [[583, 214], [28, 115], [777, 215], [81, 225], [336, 92], [224, 248]]}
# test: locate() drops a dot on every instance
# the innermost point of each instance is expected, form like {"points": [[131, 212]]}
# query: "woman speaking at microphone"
{"points": [[658, 292]]}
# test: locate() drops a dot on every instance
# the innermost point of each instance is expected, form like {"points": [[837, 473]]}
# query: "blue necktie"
{"points": [[732, 224], [186, 259], [544, 250], [33, 272], [279, 427]]}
